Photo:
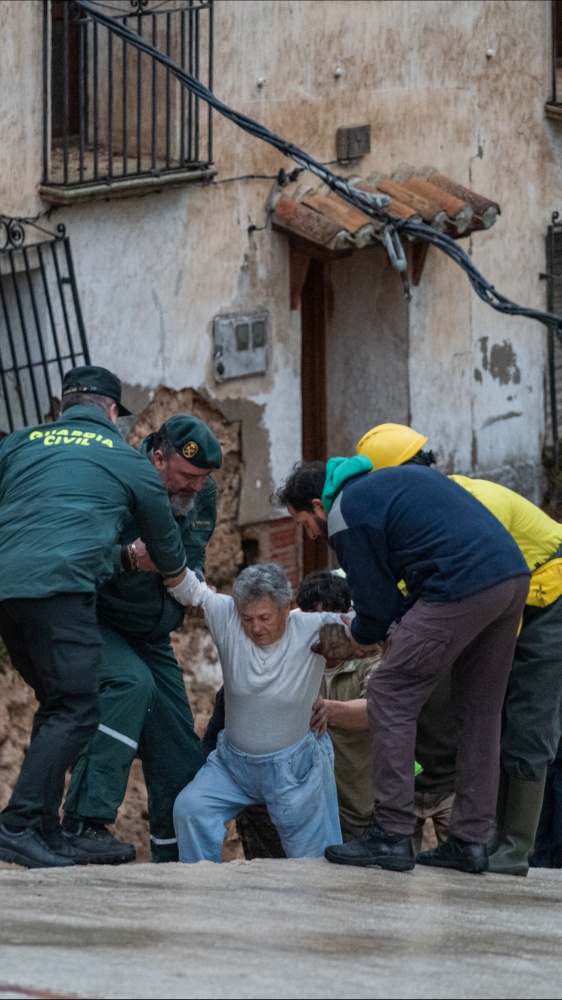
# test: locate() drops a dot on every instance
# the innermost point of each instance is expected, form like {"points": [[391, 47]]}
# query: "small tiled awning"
{"points": [[308, 210]]}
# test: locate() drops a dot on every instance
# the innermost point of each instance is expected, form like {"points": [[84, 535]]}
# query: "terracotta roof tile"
{"points": [[311, 211], [485, 211], [311, 225], [340, 211]]}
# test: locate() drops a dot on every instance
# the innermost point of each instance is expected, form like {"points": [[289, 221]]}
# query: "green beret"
{"points": [[194, 441]]}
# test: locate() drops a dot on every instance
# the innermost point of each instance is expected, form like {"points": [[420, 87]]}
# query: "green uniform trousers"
{"points": [[533, 705], [144, 709], [55, 644]]}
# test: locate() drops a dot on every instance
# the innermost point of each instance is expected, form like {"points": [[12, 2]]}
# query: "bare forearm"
{"points": [[348, 714]]}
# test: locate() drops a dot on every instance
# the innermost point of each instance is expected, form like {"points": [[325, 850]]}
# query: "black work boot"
{"points": [[98, 843], [375, 847], [522, 814], [27, 847], [60, 843], [455, 853]]}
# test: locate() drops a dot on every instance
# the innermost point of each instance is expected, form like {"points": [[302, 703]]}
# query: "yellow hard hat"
{"points": [[390, 444]]}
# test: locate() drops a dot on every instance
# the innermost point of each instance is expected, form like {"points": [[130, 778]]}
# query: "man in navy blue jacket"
{"points": [[467, 583]]}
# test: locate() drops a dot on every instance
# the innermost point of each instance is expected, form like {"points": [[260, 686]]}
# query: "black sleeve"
{"points": [[214, 726]]}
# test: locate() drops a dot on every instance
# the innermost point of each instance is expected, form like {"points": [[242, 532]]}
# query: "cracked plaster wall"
{"points": [[154, 271]]}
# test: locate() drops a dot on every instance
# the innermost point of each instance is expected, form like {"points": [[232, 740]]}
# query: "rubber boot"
{"points": [[495, 839], [522, 814]]}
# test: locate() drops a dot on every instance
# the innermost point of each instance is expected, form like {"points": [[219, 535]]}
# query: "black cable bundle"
{"points": [[371, 204]]}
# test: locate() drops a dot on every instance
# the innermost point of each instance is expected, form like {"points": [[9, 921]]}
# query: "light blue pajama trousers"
{"points": [[296, 784]]}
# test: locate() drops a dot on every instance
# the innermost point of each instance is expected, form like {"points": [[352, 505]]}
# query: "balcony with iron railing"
{"points": [[115, 121]]}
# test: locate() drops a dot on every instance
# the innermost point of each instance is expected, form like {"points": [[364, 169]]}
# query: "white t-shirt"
{"points": [[269, 690]]}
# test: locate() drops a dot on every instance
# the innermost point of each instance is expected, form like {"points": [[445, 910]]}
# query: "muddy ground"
{"points": [[268, 929]]}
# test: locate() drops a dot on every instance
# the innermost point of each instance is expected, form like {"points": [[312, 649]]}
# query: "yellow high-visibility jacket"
{"points": [[537, 535]]}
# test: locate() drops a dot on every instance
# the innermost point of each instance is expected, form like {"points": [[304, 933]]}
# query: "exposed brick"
{"points": [[282, 537]]}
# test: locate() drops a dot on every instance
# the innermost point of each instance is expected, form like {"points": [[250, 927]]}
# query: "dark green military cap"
{"points": [[194, 441], [91, 378]]}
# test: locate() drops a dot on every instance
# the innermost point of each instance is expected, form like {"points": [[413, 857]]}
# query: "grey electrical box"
{"points": [[353, 141], [240, 345]]}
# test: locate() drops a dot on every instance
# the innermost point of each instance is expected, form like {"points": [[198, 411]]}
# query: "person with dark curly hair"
{"points": [[467, 584]]}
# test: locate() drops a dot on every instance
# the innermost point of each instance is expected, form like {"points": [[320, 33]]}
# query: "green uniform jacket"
{"points": [[66, 489], [138, 604]]}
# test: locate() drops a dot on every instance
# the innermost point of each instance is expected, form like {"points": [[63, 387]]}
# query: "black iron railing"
{"points": [[111, 113], [553, 278], [41, 328]]}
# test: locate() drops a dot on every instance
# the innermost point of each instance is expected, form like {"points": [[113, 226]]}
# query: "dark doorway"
{"points": [[313, 382], [64, 71], [355, 358]]}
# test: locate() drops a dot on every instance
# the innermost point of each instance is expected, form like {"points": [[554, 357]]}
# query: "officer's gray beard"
{"points": [[181, 505]]}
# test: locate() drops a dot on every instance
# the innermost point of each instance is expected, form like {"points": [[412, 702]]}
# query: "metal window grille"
{"points": [[111, 113], [41, 328]]}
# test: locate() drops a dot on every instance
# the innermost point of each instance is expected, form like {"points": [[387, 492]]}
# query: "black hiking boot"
{"points": [[95, 840], [60, 844], [455, 853], [27, 847], [375, 847]]}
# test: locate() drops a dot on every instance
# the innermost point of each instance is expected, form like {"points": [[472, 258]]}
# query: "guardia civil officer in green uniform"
{"points": [[66, 490], [144, 707]]}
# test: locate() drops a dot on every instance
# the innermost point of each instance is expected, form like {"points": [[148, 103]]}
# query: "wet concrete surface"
{"points": [[279, 929]]}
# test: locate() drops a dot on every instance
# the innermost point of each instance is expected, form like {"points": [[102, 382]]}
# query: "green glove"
{"points": [[417, 768]]}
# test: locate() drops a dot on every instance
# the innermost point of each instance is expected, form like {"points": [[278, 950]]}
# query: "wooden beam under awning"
{"points": [[419, 250], [301, 252], [299, 263]]}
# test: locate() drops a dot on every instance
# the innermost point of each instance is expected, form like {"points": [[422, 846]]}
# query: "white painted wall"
{"points": [[154, 271], [21, 107]]}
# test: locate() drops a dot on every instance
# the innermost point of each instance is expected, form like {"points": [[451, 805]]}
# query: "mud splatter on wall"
{"points": [[500, 362]]}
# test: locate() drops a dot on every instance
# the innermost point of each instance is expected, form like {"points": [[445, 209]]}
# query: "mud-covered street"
{"points": [[299, 929]]}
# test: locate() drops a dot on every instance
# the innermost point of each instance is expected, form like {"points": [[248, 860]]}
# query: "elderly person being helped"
{"points": [[266, 752]]}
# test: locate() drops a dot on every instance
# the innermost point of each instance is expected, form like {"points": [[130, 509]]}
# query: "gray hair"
{"points": [[262, 580], [80, 398]]}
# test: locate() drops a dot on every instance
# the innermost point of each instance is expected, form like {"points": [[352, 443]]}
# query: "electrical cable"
{"points": [[245, 177], [373, 205]]}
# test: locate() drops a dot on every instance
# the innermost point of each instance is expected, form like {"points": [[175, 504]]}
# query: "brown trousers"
{"points": [[435, 806], [477, 635]]}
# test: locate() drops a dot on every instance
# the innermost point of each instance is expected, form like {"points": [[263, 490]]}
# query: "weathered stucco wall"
{"points": [[154, 271], [21, 107]]}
